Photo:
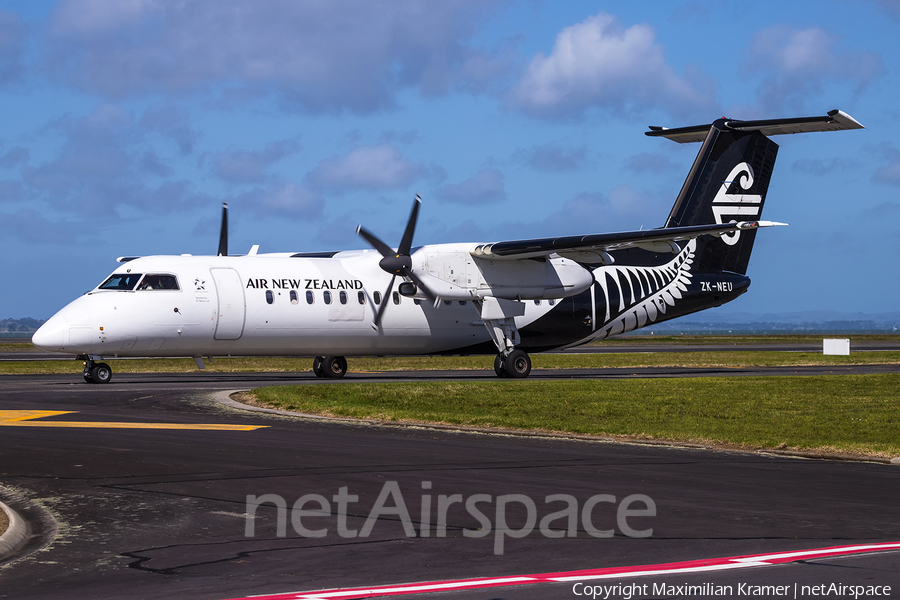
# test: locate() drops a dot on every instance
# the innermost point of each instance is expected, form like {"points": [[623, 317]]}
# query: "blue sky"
{"points": [[128, 122]]}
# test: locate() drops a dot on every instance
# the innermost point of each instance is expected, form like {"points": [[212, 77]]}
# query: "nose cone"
{"points": [[51, 336]]}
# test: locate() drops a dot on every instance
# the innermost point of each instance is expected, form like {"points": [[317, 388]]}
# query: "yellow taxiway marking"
{"points": [[24, 418]]}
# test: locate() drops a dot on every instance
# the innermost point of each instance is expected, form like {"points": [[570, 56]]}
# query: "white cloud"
{"points": [[797, 63], [321, 56], [598, 63], [247, 166], [14, 157], [12, 44], [173, 123], [647, 162], [380, 167], [32, 227], [623, 209], [485, 187], [103, 164], [888, 173], [555, 158], [280, 199]]}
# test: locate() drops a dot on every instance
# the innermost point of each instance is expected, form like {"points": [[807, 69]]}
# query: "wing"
{"points": [[593, 249]]}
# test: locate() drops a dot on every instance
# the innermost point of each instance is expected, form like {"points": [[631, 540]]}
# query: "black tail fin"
{"points": [[730, 178], [728, 182]]}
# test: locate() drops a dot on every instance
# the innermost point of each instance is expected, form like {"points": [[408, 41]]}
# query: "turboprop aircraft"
{"points": [[506, 298]]}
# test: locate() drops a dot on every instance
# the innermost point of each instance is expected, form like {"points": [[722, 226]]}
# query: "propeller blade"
{"points": [[384, 302], [383, 249], [223, 234], [421, 285], [406, 241]]}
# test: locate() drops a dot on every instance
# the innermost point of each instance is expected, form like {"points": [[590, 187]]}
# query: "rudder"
{"points": [[727, 182]]}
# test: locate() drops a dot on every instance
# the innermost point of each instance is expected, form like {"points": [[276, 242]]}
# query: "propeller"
{"points": [[397, 262], [223, 234]]}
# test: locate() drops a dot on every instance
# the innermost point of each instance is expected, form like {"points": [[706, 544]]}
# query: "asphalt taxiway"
{"points": [[26, 351], [147, 480]]}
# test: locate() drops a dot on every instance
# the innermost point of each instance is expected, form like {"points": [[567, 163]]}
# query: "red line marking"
{"points": [[691, 566]]}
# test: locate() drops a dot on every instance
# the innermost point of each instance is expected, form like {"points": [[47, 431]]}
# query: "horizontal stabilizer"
{"points": [[835, 120]]}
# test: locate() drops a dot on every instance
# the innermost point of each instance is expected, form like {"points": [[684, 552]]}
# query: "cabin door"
{"points": [[232, 307]]}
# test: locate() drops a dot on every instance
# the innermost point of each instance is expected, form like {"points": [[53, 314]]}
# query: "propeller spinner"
{"points": [[397, 262]]}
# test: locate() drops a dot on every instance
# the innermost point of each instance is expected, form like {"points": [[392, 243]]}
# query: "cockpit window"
{"points": [[120, 281], [158, 282]]}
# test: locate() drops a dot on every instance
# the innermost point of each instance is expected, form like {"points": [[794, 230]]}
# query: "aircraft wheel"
{"points": [[517, 364], [499, 367], [101, 373], [317, 366], [334, 367]]}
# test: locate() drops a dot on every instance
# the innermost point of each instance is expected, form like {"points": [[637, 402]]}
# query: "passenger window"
{"points": [[377, 297], [158, 282], [448, 302], [270, 297], [310, 298], [551, 302], [537, 302], [462, 302], [120, 281], [327, 296], [343, 296], [294, 297], [416, 301], [361, 295], [396, 297]]}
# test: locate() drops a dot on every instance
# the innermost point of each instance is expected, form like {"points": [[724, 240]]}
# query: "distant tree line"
{"points": [[25, 325]]}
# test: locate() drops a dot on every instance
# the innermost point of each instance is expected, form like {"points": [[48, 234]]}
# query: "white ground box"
{"points": [[840, 347]]}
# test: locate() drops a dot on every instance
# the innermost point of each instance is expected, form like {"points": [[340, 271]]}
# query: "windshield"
{"points": [[120, 281], [159, 282]]}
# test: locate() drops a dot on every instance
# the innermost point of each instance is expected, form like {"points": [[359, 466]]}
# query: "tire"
{"points": [[334, 367], [499, 367], [517, 365], [317, 366], [101, 373]]}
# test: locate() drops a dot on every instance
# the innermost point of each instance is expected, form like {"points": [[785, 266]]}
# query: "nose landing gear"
{"points": [[95, 372]]}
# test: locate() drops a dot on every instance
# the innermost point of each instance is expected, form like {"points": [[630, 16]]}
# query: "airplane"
{"points": [[507, 298]]}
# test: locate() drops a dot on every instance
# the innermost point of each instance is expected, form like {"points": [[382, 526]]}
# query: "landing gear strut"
{"points": [[330, 367], [498, 317], [95, 372], [516, 365]]}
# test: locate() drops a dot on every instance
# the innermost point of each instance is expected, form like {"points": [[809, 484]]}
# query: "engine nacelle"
{"points": [[531, 279], [452, 273]]}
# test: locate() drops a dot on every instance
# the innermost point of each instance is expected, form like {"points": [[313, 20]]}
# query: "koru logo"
{"points": [[199, 285], [736, 205]]}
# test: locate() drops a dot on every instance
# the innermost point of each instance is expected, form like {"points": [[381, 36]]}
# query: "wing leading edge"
{"points": [[592, 249]]}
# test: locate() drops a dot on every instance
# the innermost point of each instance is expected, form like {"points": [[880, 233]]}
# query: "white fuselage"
{"points": [[282, 305]]}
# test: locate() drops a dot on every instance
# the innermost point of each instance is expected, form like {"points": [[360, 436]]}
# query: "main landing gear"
{"points": [[516, 365], [330, 367], [95, 372], [498, 317]]}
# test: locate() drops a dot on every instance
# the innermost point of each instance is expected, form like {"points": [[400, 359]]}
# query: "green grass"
{"points": [[417, 363], [846, 414], [855, 414], [738, 339]]}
